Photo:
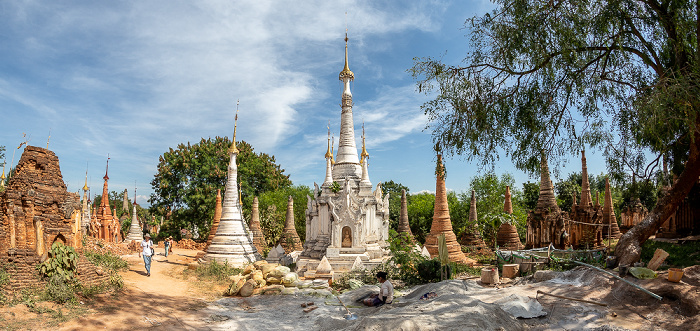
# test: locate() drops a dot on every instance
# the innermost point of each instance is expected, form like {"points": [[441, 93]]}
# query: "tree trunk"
{"points": [[629, 248]]}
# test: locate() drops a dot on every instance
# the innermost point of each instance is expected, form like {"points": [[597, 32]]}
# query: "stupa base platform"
{"points": [[306, 267]]}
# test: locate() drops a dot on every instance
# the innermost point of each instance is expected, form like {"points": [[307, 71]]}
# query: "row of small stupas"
{"points": [[585, 226]]}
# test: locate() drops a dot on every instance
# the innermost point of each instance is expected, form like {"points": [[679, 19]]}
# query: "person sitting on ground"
{"points": [[386, 292]]}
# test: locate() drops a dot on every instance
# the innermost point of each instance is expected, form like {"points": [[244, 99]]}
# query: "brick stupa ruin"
{"points": [[216, 220], [585, 225], [289, 240], [610, 227], [258, 236], [442, 223], [36, 209], [404, 226], [546, 224], [471, 237], [233, 242], [507, 236]]}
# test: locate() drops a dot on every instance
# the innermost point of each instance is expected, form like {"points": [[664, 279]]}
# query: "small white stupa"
{"points": [[135, 232]]}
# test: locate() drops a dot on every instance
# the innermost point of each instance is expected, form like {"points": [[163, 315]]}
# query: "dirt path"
{"points": [[158, 302]]}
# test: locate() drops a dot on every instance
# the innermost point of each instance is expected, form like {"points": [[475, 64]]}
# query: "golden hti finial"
{"points": [[233, 148], [346, 73], [2, 178], [364, 149], [48, 139], [332, 147], [85, 187], [328, 151]]}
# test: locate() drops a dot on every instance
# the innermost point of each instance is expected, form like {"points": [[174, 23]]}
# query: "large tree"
{"points": [[560, 75], [189, 176]]}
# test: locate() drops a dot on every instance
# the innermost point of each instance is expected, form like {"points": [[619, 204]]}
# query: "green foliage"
{"points": [[490, 191], [420, 213], [189, 176], [107, 260], [405, 258], [531, 193], [60, 289], [394, 191], [620, 75], [215, 271], [680, 255], [335, 187], [62, 262], [273, 211]]}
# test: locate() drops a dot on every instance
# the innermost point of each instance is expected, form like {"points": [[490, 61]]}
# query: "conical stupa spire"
{"points": [[347, 164], [364, 161], [216, 220], [258, 236], [546, 199], [473, 217], [329, 160], [2, 177], [441, 221], [135, 232], [586, 200], [508, 205], [609, 219], [289, 238], [404, 226]]}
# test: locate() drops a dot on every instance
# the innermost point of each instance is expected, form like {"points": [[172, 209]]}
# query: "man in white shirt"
{"points": [[147, 246], [386, 292]]}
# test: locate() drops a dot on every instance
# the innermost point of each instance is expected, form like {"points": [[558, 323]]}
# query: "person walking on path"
{"points": [[167, 244], [147, 246]]}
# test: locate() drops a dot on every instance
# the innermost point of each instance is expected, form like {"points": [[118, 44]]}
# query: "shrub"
{"points": [[63, 261], [59, 289]]}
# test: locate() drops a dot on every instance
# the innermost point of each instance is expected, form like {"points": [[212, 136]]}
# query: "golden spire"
{"points": [[85, 187], [364, 150], [328, 151], [332, 147], [47, 139], [346, 73], [233, 148], [2, 178]]}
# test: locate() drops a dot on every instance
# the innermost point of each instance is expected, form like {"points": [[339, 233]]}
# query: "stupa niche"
{"points": [[233, 241], [344, 218]]}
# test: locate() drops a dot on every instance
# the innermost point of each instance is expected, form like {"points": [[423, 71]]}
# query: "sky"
{"points": [[130, 79]]}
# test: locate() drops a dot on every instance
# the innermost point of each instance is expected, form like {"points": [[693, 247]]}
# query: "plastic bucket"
{"points": [[675, 275]]}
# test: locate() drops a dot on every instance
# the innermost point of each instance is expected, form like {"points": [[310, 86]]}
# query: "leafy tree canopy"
{"points": [[555, 75], [189, 175], [394, 190]]}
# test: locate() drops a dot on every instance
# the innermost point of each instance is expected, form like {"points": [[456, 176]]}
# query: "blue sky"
{"points": [[134, 78]]}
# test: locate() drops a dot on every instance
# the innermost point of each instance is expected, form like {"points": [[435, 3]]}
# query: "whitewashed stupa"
{"points": [[233, 241], [345, 219], [135, 232]]}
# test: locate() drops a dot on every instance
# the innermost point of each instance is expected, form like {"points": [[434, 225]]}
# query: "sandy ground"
{"points": [[166, 301]]}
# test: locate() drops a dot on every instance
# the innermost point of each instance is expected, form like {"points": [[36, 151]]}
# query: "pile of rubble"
{"points": [[102, 247], [262, 277], [189, 244]]}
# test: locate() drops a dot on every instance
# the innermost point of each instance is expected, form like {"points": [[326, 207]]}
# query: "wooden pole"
{"points": [[567, 298]]}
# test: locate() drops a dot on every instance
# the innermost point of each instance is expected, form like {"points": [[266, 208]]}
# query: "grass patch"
{"points": [[214, 271], [680, 255], [107, 260]]}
